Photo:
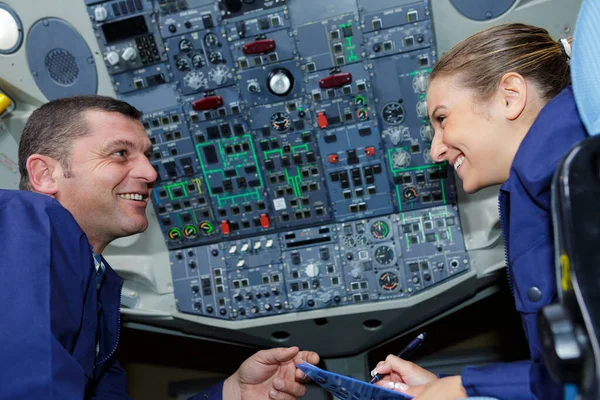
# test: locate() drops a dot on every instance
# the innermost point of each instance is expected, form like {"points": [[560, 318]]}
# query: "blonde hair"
{"points": [[482, 59]]}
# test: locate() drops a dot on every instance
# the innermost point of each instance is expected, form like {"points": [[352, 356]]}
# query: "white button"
{"points": [[9, 31], [245, 247], [269, 243], [232, 249], [257, 245], [241, 263], [100, 13], [129, 54]]}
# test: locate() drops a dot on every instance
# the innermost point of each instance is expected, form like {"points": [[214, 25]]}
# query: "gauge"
{"points": [[194, 80], [393, 113], [362, 114], [280, 82], [361, 240], [211, 40], [280, 121], [182, 64], [384, 255], [198, 61], [380, 230], [185, 45], [349, 241], [215, 57], [388, 280], [409, 193]]}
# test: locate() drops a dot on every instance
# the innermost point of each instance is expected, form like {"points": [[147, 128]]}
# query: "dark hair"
{"points": [[52, 129], [482, 59]]}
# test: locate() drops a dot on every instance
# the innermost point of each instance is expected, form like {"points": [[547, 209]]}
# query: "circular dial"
{"points": [[380, 230], [393, 113], [185, 45], [198, 61], [182, 64], [409, 193], [388, 280], [349, 241], [280, 82], [211, 40], [361, 240], [280, 121], [215, 57], [384, 255]]}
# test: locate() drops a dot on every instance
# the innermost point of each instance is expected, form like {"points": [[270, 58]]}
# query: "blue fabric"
{"points": [[585, 65], [525, 214], [52, 313]]}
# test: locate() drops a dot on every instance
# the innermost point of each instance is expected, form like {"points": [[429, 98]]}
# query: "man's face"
{"points": [[111, 179]]}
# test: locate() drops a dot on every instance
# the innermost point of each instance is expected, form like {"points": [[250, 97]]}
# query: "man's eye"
{"points": [[121, 153]]}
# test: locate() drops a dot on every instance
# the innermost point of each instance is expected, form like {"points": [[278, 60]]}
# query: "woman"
{"points": [[503, 113]]}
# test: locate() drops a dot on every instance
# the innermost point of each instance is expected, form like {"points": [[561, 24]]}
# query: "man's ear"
{"points": [[42, 172], [512, 91]]}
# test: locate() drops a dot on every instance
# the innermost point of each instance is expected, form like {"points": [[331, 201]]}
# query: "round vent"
{"points": [[62, 67]]}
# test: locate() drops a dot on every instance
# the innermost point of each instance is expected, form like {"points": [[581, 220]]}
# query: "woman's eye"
{"points": [[440, 119]]}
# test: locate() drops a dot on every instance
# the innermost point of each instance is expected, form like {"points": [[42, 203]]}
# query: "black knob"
{"points": [[179, 256], [275, 291], [195, 289], [268, 307], [337, 299], [311, 303], [258, 295], [238, 297], [242, 311], [427, 276], [278, 305], [233, 5], [192, 264], [248, 296], [190, 253], [222, 311], [267, 294], [188, 24], [198, 305], [172, 28], [349, 256], [301, 114], [254, 310], [376, 47], [209, 309], [214, 252]]}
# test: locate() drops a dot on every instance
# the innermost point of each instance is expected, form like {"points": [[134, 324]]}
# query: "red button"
{"points": [[264, 221], [333, 158], [259, 46], [335, 80], [208, 103], [370, 151], [225, 227], [322, 120]]}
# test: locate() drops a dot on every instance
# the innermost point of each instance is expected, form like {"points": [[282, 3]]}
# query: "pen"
{"points": [[405, 352]]}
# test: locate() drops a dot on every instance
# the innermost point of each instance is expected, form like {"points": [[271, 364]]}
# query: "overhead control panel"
{"points": [[292, 148]]}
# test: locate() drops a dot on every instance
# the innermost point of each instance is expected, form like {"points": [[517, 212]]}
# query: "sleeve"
{"points": [[36, 359], [112, 384], [215, 392], [504, 381]]}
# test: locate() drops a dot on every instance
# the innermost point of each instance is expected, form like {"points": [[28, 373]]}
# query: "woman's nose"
{"points": [[438, 148]]}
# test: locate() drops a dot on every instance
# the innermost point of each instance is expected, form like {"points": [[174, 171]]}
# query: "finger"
{"points": [[308, 356], [375, 370], [276, 395], [277, 355], [289, 387], [301, 376], [402, 388]]}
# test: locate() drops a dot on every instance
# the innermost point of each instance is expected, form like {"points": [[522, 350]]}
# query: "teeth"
{"points": [[459, 161], [132, 196]]}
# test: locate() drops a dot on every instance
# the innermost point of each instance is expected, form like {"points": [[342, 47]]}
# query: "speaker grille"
{"points": [[62, 67]]}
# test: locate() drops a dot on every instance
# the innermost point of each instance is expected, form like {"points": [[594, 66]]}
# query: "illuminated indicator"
{"points": [[380, 230]]}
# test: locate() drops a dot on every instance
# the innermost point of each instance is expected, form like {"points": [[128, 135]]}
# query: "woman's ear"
{"points": [[42, 170], [512, 91]]}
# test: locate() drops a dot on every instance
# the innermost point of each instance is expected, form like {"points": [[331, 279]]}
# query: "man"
{"points": [[86, 160]]}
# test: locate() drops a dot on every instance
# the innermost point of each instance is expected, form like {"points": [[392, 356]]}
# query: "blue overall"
{"points": [[52, 316], [525, 215]]}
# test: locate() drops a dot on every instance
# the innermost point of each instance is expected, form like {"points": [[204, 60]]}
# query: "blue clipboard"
{"points": [[346, 388]]}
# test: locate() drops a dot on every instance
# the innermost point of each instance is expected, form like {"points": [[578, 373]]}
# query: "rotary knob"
{"points": [[355, 273], [112, 58], [129, 54], [420, 84], [427, 132], [297, 302], [325, 298], [100, 14], [422, 109]]}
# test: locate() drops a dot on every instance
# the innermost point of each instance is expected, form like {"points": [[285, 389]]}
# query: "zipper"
{"points": [[504, 228], [114, 349]]}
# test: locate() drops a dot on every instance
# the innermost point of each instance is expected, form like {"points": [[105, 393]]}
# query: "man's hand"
{"points": [[270, 374], [406, 377]]}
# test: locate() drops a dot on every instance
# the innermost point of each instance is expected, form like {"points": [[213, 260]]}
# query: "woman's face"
{"points": [[469, 135]]}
